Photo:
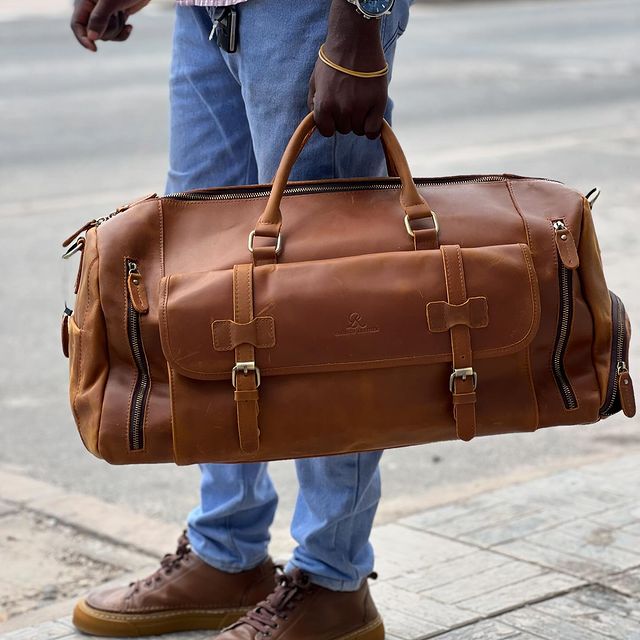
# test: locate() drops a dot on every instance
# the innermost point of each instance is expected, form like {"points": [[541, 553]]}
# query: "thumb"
{"points": [[99, 19]]}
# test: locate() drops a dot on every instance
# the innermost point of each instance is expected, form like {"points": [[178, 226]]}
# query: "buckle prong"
{"points": [[244, 368], [463, 374]]}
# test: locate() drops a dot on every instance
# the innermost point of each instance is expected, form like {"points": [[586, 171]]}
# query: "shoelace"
{"points": [[291, 590], [170, 562]]}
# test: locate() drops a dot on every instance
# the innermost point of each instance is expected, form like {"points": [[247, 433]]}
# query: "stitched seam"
{"points": [[79, 375], [463, 286], [229, 340], [518, 208], [87, 287], [532, 389]]}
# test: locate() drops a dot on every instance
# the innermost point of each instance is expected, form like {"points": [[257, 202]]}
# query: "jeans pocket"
{"points": [[395, 23]]}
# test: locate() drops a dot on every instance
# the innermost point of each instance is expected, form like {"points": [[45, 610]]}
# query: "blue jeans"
{"points": [[231, 117]]}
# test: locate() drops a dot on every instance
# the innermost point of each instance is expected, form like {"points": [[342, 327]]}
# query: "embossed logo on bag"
{"points": [[356, 326]]}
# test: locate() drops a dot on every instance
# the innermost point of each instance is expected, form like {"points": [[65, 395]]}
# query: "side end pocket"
{"points": [[88, 358]]}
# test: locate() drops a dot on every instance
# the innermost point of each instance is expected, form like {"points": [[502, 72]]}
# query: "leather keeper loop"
{"points": [[441, 315], [260, 333]]}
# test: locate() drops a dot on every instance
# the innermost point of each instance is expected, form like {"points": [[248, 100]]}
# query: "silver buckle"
{"points": [[412, 233], [244, 368], [252, 237], [463, 374]]}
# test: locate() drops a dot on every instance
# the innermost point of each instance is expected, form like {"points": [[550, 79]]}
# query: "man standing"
{"points": [[236, 98]]}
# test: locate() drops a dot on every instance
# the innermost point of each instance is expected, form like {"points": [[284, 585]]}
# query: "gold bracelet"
{"points": [[350, 72]]}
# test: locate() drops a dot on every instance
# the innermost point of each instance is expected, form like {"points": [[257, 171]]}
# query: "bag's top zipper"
{"points": [[263, 191], [345, 185]]}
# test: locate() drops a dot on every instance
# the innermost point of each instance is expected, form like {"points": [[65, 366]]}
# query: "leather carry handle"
{"points": [[414, 205]]}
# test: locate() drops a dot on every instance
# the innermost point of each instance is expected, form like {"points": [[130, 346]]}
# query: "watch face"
{"points": [[375, 8]]}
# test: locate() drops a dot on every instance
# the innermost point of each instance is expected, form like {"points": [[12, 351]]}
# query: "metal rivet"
{"points": [[563, 237], [625, 382], [136, 282]]}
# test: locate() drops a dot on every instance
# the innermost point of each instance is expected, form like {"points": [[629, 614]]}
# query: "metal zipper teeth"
{"points": [[562, 337], [141, 388], [617, 354], [328, 188]]}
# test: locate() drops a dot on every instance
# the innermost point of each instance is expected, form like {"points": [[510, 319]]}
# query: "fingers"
{"points": [[373, 123], [324, 121], [342, 121], [344, 105], [116, 28], [124, 34], [99, 19], [79, 19]]}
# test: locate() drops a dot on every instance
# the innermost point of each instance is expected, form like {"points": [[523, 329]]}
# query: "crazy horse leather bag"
{"points": [[312, 318]]}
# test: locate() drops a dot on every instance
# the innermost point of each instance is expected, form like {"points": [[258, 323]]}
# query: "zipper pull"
{"points": [[566, 245], [65, 330], [625, 389], [73, 236], [137, 290]]}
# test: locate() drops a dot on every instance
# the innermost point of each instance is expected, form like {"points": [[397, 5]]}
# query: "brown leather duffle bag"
{"points": [[314, 318]]}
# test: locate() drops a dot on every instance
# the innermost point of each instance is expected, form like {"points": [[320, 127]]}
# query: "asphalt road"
{"points": [[548, 88]]}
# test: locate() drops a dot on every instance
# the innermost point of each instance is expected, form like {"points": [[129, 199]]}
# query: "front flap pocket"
{"points": [[363, 312]]}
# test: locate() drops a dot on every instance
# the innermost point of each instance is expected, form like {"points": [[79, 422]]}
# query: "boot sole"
{"points": [[372, 631], [132, 625]]}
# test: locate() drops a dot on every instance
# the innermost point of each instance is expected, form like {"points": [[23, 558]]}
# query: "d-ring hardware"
{"points": [[252, 237], [412, 233]]}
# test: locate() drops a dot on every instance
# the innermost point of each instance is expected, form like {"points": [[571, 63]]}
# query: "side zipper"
{"points": [[619, 372], [137, 305], [568, 260]]}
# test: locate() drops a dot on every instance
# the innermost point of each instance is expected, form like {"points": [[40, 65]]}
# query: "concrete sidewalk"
{"points": [[555, 558]]}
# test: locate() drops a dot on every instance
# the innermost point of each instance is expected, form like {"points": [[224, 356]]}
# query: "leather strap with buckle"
{"points": [[245, 376], [463, 380]]}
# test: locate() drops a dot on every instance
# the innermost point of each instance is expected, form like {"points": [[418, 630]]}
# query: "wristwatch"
{"points": [[373, 8]]}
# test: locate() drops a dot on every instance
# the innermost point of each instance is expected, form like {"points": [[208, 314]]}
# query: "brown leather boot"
{"points": [[184, 594], [300, 610]]}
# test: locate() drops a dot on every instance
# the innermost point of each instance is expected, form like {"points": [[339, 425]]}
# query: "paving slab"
{"points": [[47, 562], [487, 630], [577, 578], [627, 582]]}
